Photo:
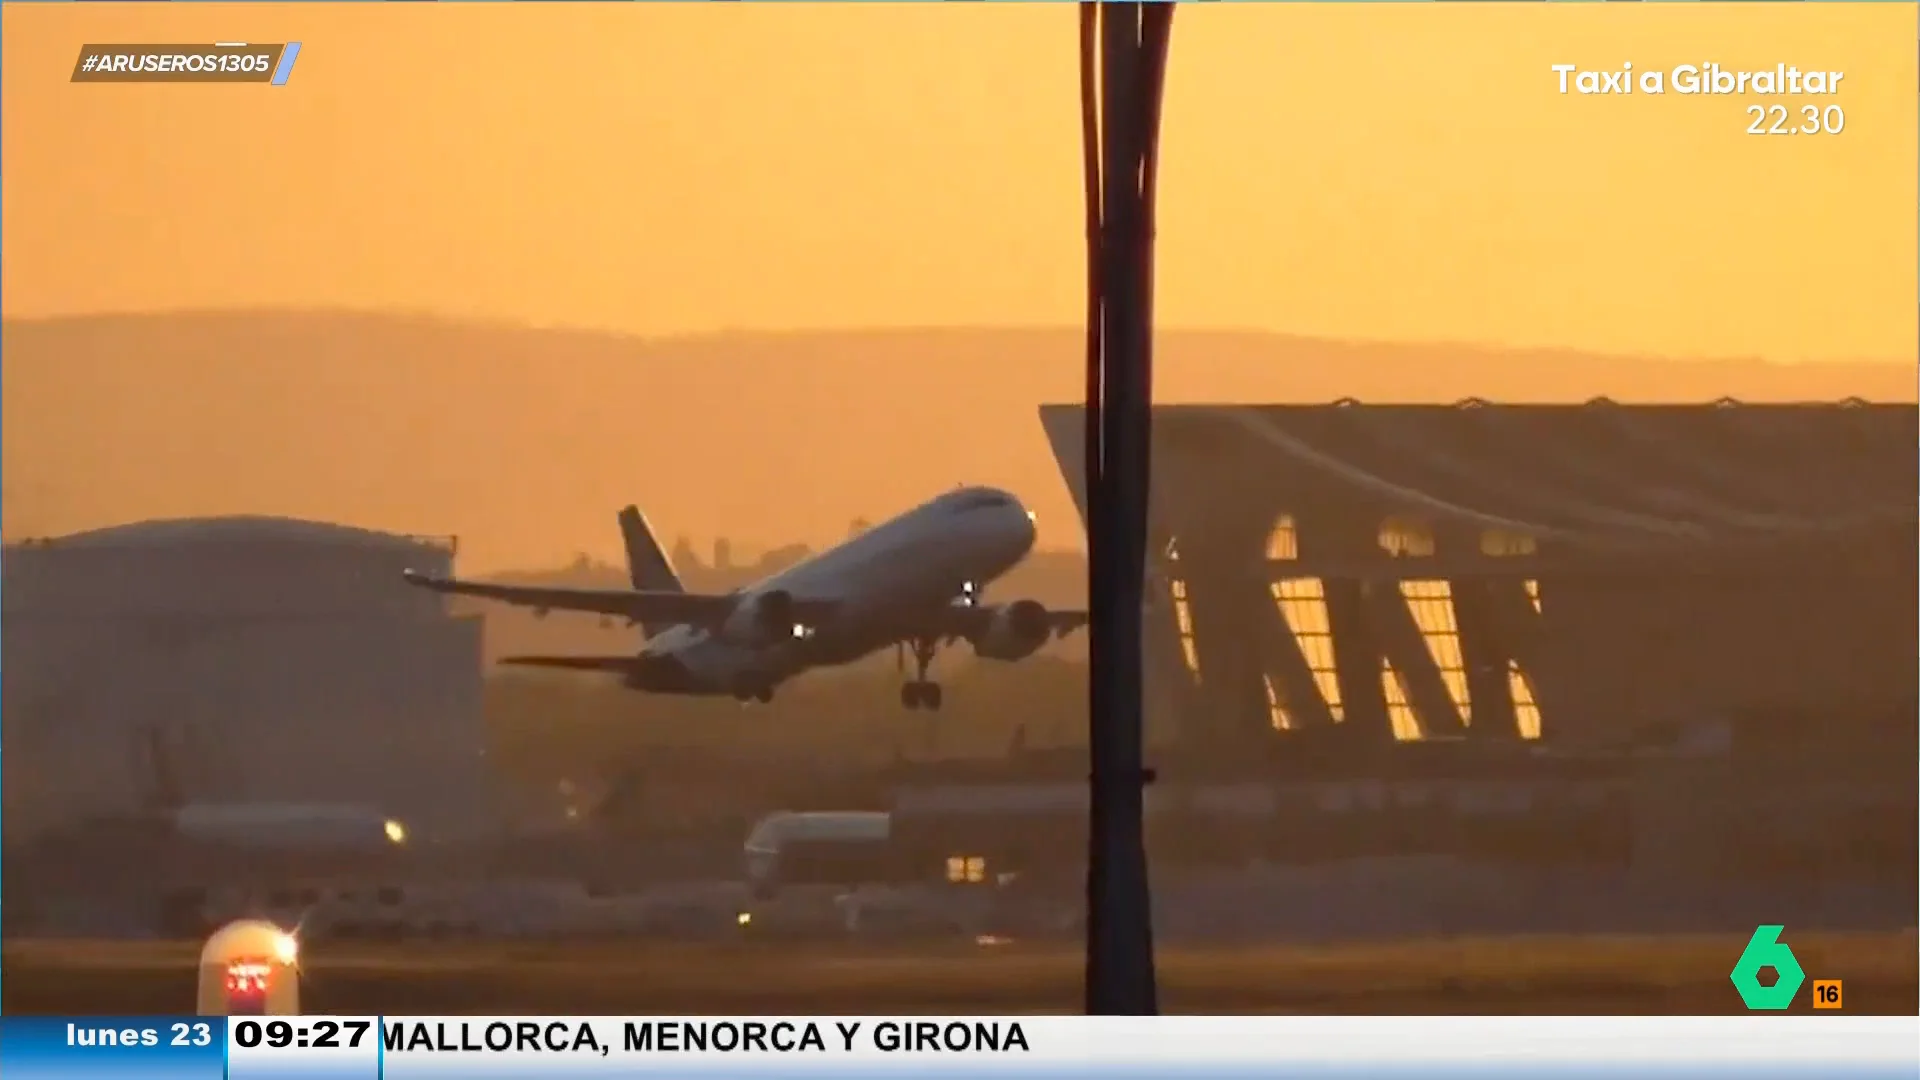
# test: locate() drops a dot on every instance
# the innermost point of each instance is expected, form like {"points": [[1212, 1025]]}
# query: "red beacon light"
{"points": [[247, 984]]}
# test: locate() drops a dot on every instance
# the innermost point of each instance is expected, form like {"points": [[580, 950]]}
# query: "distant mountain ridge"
{"points": [[523, 441]]}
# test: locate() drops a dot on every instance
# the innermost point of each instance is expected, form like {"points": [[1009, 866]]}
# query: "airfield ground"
{"points": [[1541, 975]]}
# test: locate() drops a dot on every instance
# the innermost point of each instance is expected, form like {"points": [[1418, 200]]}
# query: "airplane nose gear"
{"points": [[919, 691]]}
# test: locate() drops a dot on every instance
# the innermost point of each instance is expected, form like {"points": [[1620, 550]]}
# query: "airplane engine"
{"points": [[1015, 632], [762, 620]]}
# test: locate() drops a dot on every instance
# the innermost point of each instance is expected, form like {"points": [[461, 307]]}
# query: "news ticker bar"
{"points": [[1752, 1047], [213, 62]]}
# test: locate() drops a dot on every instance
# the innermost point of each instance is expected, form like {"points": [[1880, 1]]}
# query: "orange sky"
{"points": [[1376, 171], [1383, 172]]}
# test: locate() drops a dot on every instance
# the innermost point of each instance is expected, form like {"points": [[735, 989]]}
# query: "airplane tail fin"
{"points": [[647, 564]]}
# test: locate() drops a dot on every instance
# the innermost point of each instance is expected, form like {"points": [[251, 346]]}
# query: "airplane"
{"points": [[913, 582]]}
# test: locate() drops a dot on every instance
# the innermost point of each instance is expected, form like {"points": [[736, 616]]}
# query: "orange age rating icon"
{"points": [[1826, 993]]}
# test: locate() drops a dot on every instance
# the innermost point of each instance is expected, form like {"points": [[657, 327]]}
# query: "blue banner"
{"points": [[85, 1048]]}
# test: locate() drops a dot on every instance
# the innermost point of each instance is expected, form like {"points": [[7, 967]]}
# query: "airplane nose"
{"points": [[1025, 531]]}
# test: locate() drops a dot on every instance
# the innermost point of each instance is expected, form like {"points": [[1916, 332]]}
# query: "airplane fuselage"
{"points": [[881, 583]]}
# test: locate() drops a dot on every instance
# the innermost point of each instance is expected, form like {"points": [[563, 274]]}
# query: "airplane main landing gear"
{"points": [[919, 691], [759, 692]]}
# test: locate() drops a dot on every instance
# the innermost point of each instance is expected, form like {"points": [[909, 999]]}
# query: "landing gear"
{"points": [[759, 692], [919, 691]]}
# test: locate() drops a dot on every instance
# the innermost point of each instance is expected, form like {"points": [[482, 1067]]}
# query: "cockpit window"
{"points": [[982, 500]]}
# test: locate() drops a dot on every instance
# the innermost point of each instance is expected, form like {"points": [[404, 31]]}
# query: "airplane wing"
{"points": [[638, 605], [1066, 622], [650, 606], [610, 664], [966, 620]]}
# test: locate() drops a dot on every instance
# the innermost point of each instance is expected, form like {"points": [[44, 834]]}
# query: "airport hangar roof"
{"points": [[236, 529], [1587, 480]]}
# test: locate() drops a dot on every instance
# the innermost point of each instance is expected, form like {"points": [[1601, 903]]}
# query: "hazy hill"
{"points": [[524, 441]]}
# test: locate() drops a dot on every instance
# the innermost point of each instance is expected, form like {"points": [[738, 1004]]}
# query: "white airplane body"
{"points": [[912, 581]]}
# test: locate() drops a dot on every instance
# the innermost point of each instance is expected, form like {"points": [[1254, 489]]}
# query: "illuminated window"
{"points": [[1432, 605], [1303, 601], [1533, 595], [966, 869], [1183, 622], [1406, 723], [1504, 543], [1276, 705], [1405, 537], [1526, 711], [1283, 542]]}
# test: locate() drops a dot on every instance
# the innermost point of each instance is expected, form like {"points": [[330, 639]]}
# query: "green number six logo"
{"points": [[1765, 950]]}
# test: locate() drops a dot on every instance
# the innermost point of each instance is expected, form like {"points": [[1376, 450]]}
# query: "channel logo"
{"points": [[1766, 951]]}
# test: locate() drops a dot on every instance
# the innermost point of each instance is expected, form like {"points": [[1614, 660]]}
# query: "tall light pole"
{"points": [[1123, 50]]}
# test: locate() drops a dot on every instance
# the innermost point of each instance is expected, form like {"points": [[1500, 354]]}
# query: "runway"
{"points": [[1538, 975]]}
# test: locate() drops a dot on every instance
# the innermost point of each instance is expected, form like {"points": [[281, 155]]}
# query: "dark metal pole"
{"points": [[1099, 962], [1112, 910], [1131, 39]]}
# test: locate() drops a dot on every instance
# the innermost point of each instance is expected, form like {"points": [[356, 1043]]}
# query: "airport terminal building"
{"points": [[1512, 571], [237, 660]]}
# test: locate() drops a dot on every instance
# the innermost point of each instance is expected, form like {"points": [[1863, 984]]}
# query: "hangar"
{"points": [[1516, 571], [266, 660]]}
